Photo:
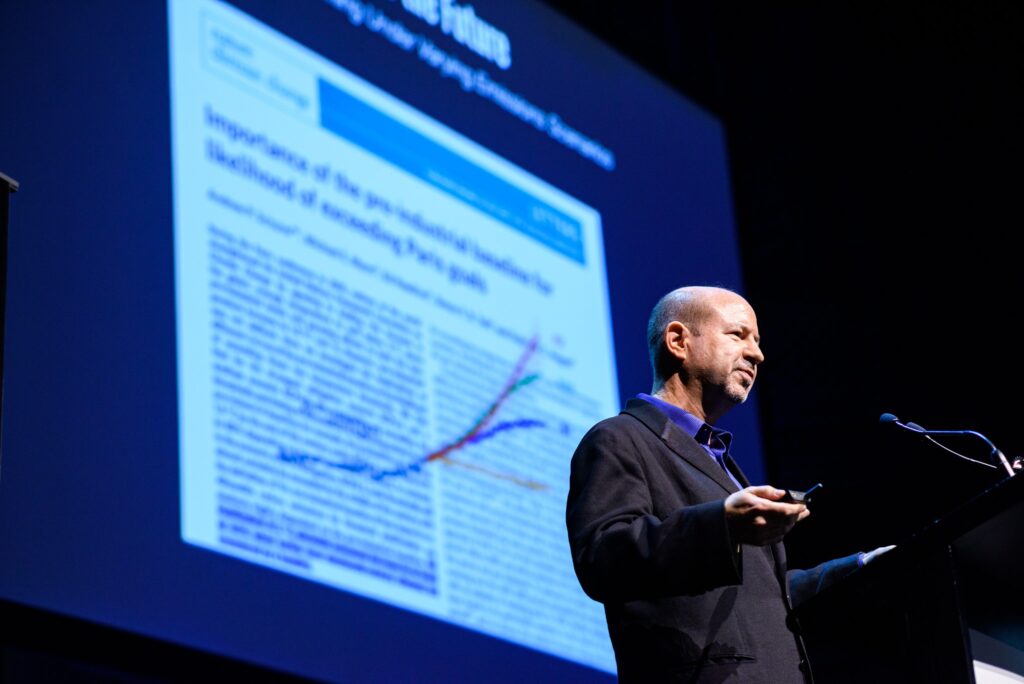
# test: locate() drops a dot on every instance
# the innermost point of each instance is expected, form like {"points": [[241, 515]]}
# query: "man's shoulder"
{"points": [[625, 426], [621, 422], [617, 443], [637, 416]]}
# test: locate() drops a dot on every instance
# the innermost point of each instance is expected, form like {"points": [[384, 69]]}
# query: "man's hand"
{"points": [[755, 515]]}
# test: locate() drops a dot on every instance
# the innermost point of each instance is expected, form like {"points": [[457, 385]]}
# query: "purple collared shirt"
{"points": [[715, 441]]}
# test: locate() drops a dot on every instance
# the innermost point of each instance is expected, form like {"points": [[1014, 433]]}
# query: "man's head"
{"points": [[704, 347]]}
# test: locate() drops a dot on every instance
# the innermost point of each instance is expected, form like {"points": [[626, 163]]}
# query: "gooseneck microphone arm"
{"points": [[914, 427], [994, 451]]}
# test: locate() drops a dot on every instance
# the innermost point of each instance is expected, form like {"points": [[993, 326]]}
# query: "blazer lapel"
{"points": [[681, 443], [734, 468]]}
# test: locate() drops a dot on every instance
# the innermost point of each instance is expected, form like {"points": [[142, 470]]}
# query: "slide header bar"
{"points": [[393, 141]]}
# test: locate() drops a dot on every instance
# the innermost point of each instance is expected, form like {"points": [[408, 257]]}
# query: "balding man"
{"points": [[666, 530]]}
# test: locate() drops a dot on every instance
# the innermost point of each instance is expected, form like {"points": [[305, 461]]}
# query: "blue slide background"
{"points": [[89, 505]]}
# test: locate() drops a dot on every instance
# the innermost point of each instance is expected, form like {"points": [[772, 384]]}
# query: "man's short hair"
{"points": [[689, 306]]}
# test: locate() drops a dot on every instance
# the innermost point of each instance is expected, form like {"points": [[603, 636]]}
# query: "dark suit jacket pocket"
{"points": [[658, 653]]}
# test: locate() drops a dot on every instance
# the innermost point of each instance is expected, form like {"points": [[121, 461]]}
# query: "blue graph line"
{"points": [[352, 467], [414, 467], [501, 427]]}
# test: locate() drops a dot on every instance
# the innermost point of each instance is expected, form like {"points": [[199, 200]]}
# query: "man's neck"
{"points": [[691, 400]]}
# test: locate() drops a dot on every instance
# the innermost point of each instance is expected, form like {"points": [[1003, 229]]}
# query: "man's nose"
{"points": [[754, 353]]}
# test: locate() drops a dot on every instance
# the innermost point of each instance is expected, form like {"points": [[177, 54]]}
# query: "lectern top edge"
{"points": [[13, 184]]}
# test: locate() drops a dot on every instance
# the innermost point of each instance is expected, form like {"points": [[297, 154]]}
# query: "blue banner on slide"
{"points": [[395, 142]]}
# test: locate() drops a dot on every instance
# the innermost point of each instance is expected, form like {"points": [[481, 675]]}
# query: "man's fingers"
{"points": [[785, 509], [769, 500], [757, 517], [777, 520], [766, 492]]}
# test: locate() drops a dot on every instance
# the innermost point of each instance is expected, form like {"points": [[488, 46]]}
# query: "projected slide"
{"points": [[389, 342]]}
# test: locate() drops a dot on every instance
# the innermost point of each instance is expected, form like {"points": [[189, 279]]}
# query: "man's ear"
{"points": [[676, 336]]}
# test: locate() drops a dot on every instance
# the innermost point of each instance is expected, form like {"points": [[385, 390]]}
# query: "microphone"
{"points": [[928, 434]]}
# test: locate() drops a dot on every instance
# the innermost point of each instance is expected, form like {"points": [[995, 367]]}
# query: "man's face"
{"points": [[726, 353]]}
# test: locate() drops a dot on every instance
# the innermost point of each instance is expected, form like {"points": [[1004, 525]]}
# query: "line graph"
{"points": [[485, 427]]}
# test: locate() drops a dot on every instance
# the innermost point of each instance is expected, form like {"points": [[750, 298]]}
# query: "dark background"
{"points": [[874, 150]]}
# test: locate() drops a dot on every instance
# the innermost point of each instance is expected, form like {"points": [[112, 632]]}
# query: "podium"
{"points": [[948, 595]]}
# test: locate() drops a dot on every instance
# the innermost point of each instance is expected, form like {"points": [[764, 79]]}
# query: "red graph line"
{"points": [[510, 386]]}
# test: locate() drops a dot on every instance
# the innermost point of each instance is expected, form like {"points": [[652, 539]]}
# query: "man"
{"points": [[665, 529]]}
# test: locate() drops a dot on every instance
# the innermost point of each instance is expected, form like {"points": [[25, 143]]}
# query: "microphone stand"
{"points": [[1018, 463]]}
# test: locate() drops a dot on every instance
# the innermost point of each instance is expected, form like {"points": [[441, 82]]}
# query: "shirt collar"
{"points": [[704, 434]]}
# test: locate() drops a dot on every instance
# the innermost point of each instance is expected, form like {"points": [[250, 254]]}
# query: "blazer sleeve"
{"points": [[804, 584], [622, 550]]}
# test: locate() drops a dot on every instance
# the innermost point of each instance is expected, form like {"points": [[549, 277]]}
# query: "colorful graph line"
{"points": [[515, 382], [482, 429]]}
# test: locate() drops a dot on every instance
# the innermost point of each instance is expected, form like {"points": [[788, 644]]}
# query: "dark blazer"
{"points": [[647, 530]]}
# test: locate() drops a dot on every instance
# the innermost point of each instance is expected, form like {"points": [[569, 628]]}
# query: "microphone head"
{"points": [[888, 418]]}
